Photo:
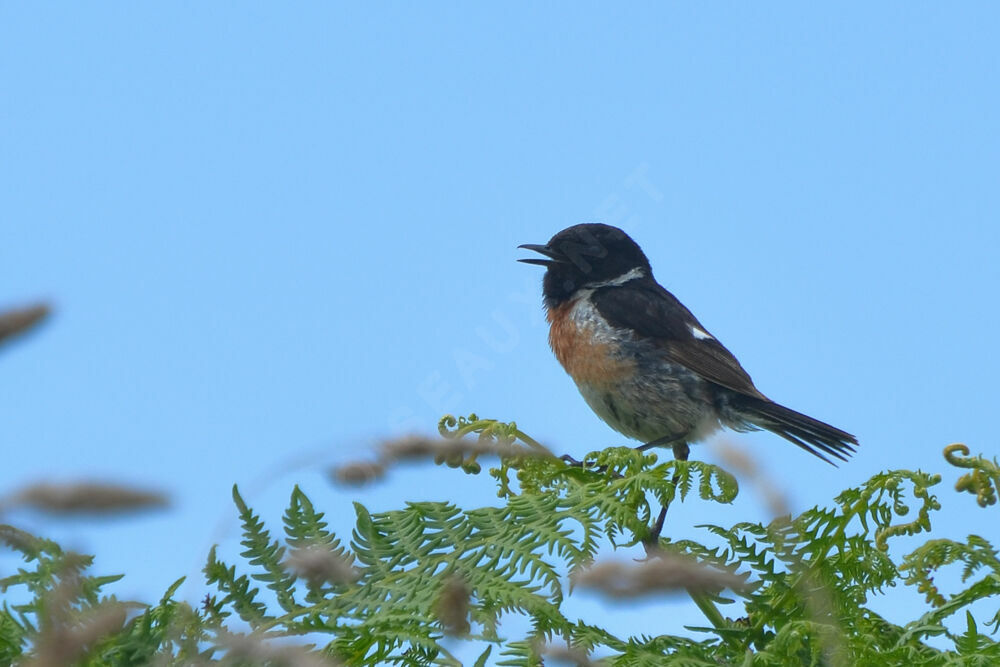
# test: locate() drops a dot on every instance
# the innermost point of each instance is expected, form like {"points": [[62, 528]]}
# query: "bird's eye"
{"points": [[568, 285]]}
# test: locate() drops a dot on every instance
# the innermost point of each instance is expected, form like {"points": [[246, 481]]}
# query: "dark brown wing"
{"points": [[654, 313]]}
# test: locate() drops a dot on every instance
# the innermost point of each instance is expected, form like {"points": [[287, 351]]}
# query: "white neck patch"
{"points": [[632, 274]]}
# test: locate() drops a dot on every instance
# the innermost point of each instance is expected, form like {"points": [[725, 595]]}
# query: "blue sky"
{"points": [[273, 235]]}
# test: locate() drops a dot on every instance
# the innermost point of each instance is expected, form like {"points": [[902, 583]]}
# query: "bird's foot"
{"points": [[580, 464], [570, 460]]}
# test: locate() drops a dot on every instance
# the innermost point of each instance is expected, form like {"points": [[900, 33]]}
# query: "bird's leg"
{"points": [[681, 451], [653, 539]]}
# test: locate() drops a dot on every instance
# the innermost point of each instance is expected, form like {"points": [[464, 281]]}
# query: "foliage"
{"points": [[419, 583]]}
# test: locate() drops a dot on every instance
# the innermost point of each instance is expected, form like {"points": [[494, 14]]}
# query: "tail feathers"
{"points": [[810, 434]]}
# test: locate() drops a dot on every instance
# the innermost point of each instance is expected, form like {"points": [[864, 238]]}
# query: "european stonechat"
{"points": [[643, 362]]}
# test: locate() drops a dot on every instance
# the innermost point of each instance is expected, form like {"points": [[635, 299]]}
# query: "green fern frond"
{"points": [[265, 554], [983, 481], [492, 430], [305, 529], [809, 577], [521, 654], [975, 554], [236, 590], [974, 645]]}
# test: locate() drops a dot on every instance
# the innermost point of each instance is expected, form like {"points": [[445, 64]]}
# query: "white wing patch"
{"points": [[701, 334]]}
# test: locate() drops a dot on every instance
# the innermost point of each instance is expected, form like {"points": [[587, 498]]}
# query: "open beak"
{"points": [[554, 257]]}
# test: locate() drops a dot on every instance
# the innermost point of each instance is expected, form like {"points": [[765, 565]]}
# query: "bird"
{"points": [[643, 362]]}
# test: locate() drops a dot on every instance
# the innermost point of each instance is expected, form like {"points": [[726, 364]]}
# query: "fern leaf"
{"points": [[266, 554]]}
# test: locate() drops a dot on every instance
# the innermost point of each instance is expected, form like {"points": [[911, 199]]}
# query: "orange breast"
{"points": [[586, 352]]}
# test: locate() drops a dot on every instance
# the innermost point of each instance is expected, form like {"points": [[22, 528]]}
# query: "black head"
{"points": [[586, 256]]}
